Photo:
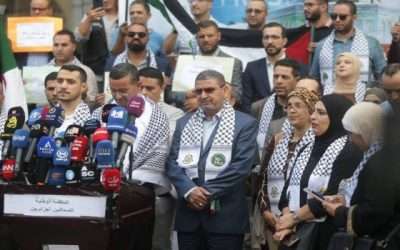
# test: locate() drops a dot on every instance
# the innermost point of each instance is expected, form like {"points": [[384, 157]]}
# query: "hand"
{"points": [[331, 207], [123, 29], [396, 32], [100, 99], [280, 235], [270, 218], [336, 199], [198, 198], [95, 14], [311, 47], [286, 221]]}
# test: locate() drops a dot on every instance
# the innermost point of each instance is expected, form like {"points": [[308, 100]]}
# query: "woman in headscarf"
{"points": [[375, 95], [347, 78], [293, 139], [320, 167], [368, 203]]}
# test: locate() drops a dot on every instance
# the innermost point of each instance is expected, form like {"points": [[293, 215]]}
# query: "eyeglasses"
{"points": [[140, 34], [391, 91], [334, 17], [208, 91], [37, 9], [256, 11]]}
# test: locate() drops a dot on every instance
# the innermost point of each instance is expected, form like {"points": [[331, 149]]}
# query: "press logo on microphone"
{"points": [[117, 114], [47, 148], [12, 122]]}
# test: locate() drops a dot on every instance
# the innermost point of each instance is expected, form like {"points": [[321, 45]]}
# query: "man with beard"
{"points": [[208, 38], [347, 38], [391, 85], [302, 40], [258, 75], [256, 15]]}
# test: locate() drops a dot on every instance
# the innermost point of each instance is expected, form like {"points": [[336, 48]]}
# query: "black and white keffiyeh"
{"points": [[321, 174], [265, 121], [326, 60], [220, 153], [348, 186], [279, 159], [359, 94], [81, 114], [150, 58], [147, 163]]}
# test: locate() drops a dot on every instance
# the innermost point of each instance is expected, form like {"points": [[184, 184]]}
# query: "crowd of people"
{"points": [[303, 141]]}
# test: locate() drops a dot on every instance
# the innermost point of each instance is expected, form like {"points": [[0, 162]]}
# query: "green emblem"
{"points": [[218, 160], [188, 159]]}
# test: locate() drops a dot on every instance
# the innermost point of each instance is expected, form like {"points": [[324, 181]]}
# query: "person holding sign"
{"points": [[212, 153]]}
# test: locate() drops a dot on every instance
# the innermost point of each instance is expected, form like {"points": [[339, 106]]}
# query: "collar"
{"points": [[328, 24], [74, 61], [215, 117], [282, 57]]}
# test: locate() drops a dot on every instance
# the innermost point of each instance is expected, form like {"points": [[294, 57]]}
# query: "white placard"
{"points": [[59, 206], [189, 66], [39, 34], [33, 77], [61, 247]]}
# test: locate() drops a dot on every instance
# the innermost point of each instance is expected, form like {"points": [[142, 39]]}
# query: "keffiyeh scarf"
{"points": [[326, 60], [220, 153], [348, 186]]}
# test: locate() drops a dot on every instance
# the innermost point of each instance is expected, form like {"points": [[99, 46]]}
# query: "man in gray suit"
{"points": [[212, 152], [208, 38]]}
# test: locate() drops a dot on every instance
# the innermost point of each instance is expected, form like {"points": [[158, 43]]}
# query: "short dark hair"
{"points": [[290, 63], [211, 74], [350, 4], [391, 69], [153, 73], [276, 25], [50, 77], [72, 68], [141, 24], [65, 32], [324, 1], [145, 5], [206, 24], [309, 77], [124, 69]]}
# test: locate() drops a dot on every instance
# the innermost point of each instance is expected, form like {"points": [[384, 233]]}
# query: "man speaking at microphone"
{"points": [[70, 85], [212, 153], [145, 161]]}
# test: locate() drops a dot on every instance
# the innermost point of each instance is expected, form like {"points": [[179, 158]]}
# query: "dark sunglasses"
{"points": [[341, 17], [140, 34]]}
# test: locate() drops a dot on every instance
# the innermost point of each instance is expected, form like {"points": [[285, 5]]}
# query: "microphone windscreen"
{"points": [[105, 112], [118, 119], [105, 154], [136, 106], [20, 139], [62, 157], [45, 147], [111, 179]]}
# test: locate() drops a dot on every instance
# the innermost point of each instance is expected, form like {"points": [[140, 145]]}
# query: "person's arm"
{"points": [[243, 156], [119, 46], [377, 57], [315, 67], [170, 43], [85, 26]]}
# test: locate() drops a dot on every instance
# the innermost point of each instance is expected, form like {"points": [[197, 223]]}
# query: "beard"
{"points": [[275, 52], [137, 47], [314, 17], [208, 51]]}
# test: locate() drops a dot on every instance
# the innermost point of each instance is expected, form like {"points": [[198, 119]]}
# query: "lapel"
{"points": [[263, 77]]}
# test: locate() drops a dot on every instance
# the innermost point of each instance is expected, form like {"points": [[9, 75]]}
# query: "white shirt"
{"points": [[270, 71]]}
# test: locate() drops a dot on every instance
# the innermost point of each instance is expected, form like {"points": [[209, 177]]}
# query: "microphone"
{"points": [[61, 159], [20, 141], [127, 138], [79, 149], [105, 112], [37, 130], [8, 169], [45, 149], [54, 118], [135, 108], [89, 128], [111, 179], [88, 173], [104, 154], [72, 132], [15, 120], [34, 116], [100, 134], [116, 123]]}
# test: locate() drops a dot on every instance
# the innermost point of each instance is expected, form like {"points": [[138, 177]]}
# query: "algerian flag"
{"points": [[11, 79]]}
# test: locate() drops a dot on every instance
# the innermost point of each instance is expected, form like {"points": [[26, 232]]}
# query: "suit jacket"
{"points": [[237, 71], [256, 84], [228, 187]]}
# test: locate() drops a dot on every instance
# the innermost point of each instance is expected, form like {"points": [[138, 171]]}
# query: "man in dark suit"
{"points": [[258, 75], [212, 153]]}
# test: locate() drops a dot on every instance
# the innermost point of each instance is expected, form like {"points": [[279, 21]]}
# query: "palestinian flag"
{"points": [[11, 79], [246, 44]]}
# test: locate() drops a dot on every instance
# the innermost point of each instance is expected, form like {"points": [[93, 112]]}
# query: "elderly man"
{"points": [[212, 153]]}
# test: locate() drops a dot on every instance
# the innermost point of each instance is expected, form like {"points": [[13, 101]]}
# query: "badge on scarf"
{"points": [[188, 159], [274, 192], [218, 160]]}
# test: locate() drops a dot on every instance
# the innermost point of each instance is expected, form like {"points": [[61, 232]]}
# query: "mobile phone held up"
{"points": [[97, 4], [315, 195]]}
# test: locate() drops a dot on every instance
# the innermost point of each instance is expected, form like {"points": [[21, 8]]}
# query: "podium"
{"points": [[134, 217]]}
